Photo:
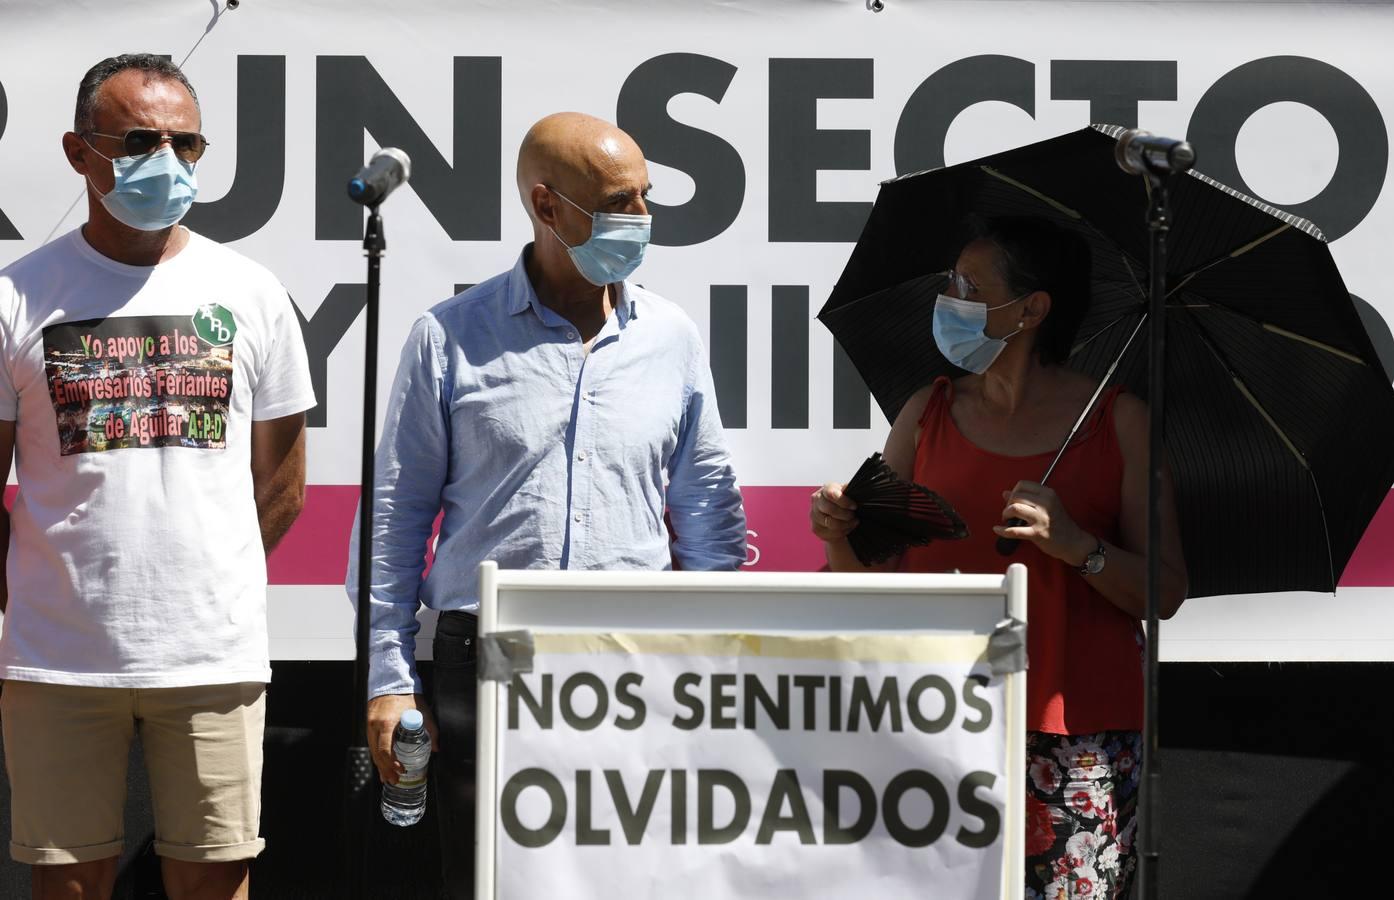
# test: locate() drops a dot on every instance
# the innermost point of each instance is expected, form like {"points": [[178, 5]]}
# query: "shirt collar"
{"points": [[521, 296], [627, 307], [520, 292]]}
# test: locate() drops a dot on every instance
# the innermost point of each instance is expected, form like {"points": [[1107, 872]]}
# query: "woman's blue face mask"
{"points": [[960, 332]]}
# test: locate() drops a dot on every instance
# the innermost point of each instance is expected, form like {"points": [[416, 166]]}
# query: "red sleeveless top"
{"points": [[1085, 654]]}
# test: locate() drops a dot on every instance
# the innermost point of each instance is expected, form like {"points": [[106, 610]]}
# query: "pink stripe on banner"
{"points": [[779, 538], [315, 551], [1372, 564]]}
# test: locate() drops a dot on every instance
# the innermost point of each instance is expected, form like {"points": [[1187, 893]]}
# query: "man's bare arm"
{"points": [[278, 474]]}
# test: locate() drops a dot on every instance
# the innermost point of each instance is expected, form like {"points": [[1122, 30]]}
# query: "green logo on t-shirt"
{"points": [[215, 324]]}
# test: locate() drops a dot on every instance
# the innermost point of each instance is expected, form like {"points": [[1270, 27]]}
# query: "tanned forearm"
{"points": [[278, 475], [1123, 582], [277, 511]]}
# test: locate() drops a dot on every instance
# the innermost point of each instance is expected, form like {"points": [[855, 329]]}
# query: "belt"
{"points": [[458, 620]]}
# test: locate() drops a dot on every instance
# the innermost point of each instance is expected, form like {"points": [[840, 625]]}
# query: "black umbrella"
{"points": [[1280, 417]]}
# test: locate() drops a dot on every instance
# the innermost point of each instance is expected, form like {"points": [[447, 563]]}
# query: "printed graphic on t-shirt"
{"points": [[142, 381]]}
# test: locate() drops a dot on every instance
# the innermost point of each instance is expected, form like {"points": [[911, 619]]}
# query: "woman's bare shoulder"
{"points": [[921, 396], [1130, 423], [1075, 385], [899, 451]]}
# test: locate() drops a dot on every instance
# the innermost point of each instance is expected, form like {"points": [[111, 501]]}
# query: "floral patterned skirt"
{"points": [[1081, 806]]}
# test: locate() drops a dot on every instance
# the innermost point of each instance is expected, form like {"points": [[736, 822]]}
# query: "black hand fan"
{"points": [[894, 514]]}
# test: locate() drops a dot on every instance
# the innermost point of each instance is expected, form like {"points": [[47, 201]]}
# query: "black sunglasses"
{"points": [[187, 145]]}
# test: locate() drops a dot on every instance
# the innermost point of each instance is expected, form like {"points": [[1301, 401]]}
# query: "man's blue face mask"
{"points": [[615, 248], [152, 192]]}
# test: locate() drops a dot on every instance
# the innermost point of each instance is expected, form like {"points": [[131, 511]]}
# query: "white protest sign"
{"points": [[711, 758]]}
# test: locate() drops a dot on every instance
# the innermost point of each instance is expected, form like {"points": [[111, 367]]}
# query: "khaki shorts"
{"points": [[66, 752]]}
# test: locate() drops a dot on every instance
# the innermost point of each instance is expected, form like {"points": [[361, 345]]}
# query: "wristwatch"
{"points": [[1094, 562]]}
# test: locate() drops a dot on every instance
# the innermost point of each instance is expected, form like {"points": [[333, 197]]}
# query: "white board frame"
{"points": [[758, 602]]}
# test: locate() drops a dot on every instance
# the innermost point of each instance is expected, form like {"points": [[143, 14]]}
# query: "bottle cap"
{"points": [[411, 720]]}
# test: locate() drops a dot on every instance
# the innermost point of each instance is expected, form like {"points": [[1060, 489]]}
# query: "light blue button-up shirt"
{"points": [[541, 455]]}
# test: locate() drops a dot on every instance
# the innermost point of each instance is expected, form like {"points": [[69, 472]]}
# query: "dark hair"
{"points": [[1035, 254], [154, 66]]}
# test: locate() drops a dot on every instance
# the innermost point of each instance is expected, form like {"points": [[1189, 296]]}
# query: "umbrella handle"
{"points": [[1007, 546]]}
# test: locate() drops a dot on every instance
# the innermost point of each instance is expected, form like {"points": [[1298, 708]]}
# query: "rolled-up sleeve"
{"points": [[704, 501], [409, 473]]}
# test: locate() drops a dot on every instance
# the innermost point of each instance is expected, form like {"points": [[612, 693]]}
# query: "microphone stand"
{"points": [[358, 796], [1158, 225]]}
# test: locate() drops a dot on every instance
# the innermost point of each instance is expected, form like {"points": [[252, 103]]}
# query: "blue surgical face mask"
{"points": [[959, 333], [152, 192], [615, 248]]}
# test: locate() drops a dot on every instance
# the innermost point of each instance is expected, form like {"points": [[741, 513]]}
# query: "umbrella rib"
{"points": [[1074, 351], [1033, 192], [1103, 382], [1326, 532], [1248, 395], [1277, 429], [1072, 213], [1282, 435], [1311, 342], [1278, 330], [1129, 263], [1233, 254]]}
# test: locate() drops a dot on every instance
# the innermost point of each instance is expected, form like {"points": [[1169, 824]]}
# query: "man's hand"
{"points": [[383, 715]]}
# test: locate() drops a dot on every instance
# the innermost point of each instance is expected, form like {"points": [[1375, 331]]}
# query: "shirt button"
{"points": [[577, 517], [581, 456], [590, 395], [571, 335]]}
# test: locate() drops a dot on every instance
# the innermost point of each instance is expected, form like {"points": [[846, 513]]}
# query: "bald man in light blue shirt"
{"points": [[550, 415]]}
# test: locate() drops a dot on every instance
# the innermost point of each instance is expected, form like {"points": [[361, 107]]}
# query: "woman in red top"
{"points": [[1017, 296]]}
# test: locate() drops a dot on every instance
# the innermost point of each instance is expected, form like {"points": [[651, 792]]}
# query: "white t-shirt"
{"points": [[135, 556]]}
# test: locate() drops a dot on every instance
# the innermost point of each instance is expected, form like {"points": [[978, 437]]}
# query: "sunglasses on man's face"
{"points": [[187, 145]]}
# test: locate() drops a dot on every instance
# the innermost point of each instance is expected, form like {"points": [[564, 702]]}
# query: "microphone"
{"points": [[388, 170], [1139, 152]]}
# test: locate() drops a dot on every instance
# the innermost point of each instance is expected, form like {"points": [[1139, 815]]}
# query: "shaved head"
{"points": [[570, 167], [591, 161]]}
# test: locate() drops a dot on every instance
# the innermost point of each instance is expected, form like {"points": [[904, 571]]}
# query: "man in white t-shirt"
{"points": [[153, 386]]}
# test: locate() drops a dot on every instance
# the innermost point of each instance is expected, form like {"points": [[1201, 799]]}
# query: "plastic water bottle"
{"points": [[404, 802]]}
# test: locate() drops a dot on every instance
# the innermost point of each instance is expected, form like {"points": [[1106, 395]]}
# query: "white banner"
{"points": [[750, 735], [738, 765], [768, 125]]}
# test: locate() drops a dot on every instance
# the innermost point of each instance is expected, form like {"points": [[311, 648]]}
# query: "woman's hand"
{"points": [[1048, 524], [831, 513]]}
